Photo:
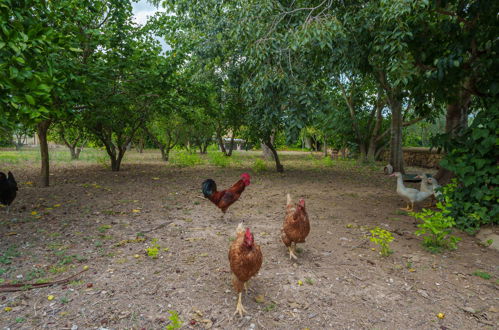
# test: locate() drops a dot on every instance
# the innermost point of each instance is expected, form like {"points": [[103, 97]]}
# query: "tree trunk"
{"points": [[231, 145], [371, 151], [396, 153], [325, 145], [278, 164], [78, 151], [221, 143], [164, 153], [456, 120], [42, 129], [72, 151]]}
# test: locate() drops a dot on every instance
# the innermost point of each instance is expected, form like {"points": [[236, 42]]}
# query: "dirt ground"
{"points": [[92, 217]]}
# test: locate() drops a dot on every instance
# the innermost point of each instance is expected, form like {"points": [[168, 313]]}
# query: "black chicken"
{"points": [[8, 189]]}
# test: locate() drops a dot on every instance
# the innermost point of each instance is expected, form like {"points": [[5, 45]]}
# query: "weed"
{"points": [[383, 238], [308, 280], [327, 161], [104, 228], [153, 250], [57, 270], [270, 307], [7, 256], [64, 300], [259, 165], [34, 274], [484, 275], [437, 228], [20, 319], [175, 321]]}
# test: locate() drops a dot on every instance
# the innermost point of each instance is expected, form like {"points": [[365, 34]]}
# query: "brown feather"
{"points": [[296, 226], [244, 262]]}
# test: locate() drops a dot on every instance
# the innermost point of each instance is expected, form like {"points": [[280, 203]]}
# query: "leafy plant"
{"points": [[175, 321], [484, 275], [383, 238], [153, 250], [473, 159], [437, 226]]}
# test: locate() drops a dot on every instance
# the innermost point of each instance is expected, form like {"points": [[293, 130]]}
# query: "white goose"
{"points": [[410, 194]]}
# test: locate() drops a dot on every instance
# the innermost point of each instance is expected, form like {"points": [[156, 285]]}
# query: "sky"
{"points": [[141, 11]]}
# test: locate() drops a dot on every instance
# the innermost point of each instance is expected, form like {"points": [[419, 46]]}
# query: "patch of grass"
{"points": [[34, 274], [7, 256], [58, 269], [185, 159], [270, 307], [20, 320], [219, 159], [259, 165], [103, 228], [484, 275]]}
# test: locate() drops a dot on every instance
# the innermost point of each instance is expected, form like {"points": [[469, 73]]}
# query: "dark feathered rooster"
{"points": [[225, 198], [8, 189]]}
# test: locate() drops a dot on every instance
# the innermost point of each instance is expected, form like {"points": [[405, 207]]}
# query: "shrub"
{"points": [[383, 238], [437, 225], [473, 158]]}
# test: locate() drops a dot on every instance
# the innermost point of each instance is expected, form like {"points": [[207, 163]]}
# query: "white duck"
{"points": [[434, 186], [426, 186], [412, 195]]}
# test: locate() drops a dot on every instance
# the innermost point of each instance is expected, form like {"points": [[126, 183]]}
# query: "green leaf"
{"points": [[30, 99]]}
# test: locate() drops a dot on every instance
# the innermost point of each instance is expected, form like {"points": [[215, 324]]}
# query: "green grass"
{"points": [[185, 159], [484, 275]]}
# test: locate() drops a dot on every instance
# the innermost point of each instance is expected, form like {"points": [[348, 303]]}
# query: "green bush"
{"points": [[473, 159], [437, 225]]}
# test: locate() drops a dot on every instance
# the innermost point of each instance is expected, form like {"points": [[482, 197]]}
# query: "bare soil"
{"points": [[92, 217]]}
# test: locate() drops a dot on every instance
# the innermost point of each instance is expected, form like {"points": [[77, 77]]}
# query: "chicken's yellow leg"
{"points": [[239, 308], [292, 252]]}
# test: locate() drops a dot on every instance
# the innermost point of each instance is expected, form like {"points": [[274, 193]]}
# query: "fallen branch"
{"points": [[29, 286]]}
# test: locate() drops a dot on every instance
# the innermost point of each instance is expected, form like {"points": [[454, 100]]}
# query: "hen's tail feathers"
{"points": [[240, 228], [289, 201], [209, 187]]}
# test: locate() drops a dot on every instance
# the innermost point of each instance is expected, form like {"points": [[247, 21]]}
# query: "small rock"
{"points": [[74, 327], [469, 310], [423, 293]]}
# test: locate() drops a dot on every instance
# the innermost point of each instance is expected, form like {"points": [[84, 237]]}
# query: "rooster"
{"points": [[245, 259], [225, 198], [8, 189], [296, 225]]}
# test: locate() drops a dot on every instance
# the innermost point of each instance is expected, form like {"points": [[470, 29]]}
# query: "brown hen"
{"points": [[296, 225], [245, 259]]}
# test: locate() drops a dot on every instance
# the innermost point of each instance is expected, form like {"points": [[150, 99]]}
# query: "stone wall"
{"points": [[420, 157]]}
